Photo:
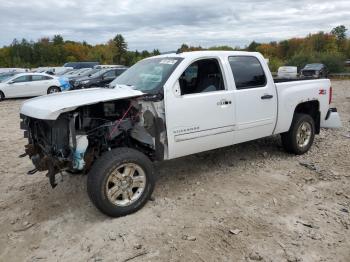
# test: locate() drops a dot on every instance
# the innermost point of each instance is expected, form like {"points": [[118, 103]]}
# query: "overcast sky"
{"points": [[148, 24]]}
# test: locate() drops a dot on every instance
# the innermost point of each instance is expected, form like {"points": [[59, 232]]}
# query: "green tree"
{"points": [[57, 40], [120, 48], [339, 32], [253, 46]]}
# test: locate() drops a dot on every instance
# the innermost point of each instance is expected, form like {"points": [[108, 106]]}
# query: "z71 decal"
{"points": [[323, 92]]}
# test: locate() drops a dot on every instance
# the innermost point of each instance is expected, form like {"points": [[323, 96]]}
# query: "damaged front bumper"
{"points": [[45, 154], [332, 119]]}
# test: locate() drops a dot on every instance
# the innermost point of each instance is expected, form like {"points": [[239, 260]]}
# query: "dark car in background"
{"points": [[88, 72], [314, 71], [79, 65], [99, 79]]}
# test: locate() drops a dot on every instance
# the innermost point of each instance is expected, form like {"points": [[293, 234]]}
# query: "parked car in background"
{"points": [[83, 73], [107, 66], [100, 79], [31, 84], [58, 69], [78, 65], [314, 71], [63, 72], [287, 72], [11, 70], [72, 72], [347, 62], [5, 76]]}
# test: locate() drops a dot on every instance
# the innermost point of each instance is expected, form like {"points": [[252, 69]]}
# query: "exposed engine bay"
{"points": [[77, 138]]}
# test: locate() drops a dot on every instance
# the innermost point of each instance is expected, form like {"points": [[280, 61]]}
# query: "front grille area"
{"points": [[309, 72]]}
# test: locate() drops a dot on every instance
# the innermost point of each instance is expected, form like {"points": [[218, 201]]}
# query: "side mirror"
{"points": [[11, 82]]}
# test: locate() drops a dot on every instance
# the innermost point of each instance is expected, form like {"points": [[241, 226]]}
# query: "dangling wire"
{"points": [[117, 122]]}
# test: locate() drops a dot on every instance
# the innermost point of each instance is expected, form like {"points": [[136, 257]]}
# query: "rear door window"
{"points": [[247, 72], [40, 78]]}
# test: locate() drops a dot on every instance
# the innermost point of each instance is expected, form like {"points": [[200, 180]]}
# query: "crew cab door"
{"points": [[255, 98], [199, 109]]}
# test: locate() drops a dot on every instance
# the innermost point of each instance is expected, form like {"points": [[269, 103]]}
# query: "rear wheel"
{"points": [[121, 182], [300, 136], [53, 89], [2, 96]]}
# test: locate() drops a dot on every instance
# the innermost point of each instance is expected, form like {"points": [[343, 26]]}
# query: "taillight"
{"points": [[330, 95]]}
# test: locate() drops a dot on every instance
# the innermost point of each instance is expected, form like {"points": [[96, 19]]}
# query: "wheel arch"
{"points": [[54, 86], [311, 108]]}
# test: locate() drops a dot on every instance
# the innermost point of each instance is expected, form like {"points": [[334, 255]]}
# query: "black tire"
{"points": [[53, 89], [2, 96], [290, 138], [98, 178]]}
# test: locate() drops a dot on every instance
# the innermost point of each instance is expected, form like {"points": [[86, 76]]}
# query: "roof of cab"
{"points": [[198, 54]]}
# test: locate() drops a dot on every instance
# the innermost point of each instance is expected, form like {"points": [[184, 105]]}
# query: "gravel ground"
{"points": [[249, 202]]}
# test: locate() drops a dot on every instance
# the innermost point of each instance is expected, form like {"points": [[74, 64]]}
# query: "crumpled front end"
{"points": [[48, 145], [74, 140]]}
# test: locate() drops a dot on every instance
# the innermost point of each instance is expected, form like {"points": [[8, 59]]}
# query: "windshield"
{"points": [[89, 72], [5, 77], [313, 66], [99, 72], [148, 75]]}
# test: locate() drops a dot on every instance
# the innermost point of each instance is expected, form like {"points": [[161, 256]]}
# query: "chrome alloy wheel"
{"points": [[125, 184], [304, 134]]}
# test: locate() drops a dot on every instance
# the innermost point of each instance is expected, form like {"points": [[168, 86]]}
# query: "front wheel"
{"points": [[300, 136], [120, 182], [53, 89]]}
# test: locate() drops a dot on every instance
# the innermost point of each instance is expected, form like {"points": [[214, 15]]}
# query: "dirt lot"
{"points": [[250, 202]]}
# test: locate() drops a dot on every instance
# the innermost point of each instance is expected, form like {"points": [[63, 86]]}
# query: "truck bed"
{"points": [[293, 93]]}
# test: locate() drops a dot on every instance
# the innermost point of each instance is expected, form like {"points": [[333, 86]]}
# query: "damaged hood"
{"points": [[49, 107]]}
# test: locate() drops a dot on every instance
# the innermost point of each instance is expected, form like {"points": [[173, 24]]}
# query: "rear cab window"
{"points": [[247, 72]]}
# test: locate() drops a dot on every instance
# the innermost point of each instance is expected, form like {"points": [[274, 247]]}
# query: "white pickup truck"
{"points": [[165, 107]]}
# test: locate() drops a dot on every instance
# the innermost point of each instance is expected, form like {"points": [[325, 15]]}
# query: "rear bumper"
{"points": [[332, 119]]}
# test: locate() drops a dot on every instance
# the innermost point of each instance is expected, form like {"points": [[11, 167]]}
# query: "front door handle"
{"points": [[267, 97], [224, 102]]}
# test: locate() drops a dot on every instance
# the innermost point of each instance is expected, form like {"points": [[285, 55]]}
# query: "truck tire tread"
{"points": [[100, 170], [289, 141]]}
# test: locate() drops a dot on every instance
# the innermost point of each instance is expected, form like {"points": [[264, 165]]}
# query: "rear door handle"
{"points": [[267, 97]]}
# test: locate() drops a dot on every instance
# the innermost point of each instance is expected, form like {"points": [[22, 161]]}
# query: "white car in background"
{"points": [[58, 70], [287, 72], [13, 70], [31, 84]]}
